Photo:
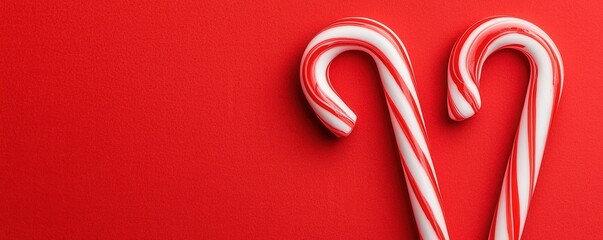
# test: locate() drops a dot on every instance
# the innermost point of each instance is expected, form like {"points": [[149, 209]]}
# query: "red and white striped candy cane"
{"points": [[544, 91], [398, 82]]}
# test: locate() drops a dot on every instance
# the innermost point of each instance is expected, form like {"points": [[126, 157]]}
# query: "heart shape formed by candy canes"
{"points": [[543, 94], [466, 60], [398, 81]]}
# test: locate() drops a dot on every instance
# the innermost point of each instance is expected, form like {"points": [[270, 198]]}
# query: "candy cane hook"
{"points": [[398, 82], [544, 91]]}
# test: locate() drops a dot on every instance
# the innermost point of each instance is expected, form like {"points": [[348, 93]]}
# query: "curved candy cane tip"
{"points": [[397, 78], [543, 94], [319, 53], [477, 43], [349, 33]]}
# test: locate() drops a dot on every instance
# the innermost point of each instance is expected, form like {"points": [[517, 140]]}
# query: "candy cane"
{"points": [[544, 91], [398, 82]]}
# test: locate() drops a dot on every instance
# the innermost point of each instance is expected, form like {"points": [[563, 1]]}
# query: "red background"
{"points": [[186, 120]]}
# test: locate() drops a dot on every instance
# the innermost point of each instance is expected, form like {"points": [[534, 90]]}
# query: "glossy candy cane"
{"points": [[398, 82], [544, 91]]}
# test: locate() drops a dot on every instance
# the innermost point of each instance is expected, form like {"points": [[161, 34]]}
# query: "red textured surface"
{"points": [[186, 120]]}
